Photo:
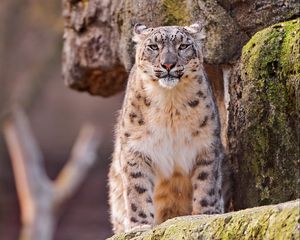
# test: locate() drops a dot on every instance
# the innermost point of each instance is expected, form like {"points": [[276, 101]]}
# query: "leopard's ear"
{"points": [[196, 30], [140, 32], [139, 28]]}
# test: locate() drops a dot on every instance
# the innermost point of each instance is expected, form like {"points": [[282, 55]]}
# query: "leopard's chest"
{"points": [[172, 145]]}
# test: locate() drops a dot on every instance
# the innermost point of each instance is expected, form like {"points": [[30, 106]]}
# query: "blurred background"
{"points": [[30, 74]]}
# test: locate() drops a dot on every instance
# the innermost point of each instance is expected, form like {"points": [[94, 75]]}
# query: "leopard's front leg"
{"points": [[207, 183], [138, 180]]}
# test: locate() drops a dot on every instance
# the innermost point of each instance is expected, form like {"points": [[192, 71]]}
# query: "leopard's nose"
{"points": [[168, 66]]}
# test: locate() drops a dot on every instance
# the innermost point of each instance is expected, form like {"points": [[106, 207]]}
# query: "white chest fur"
{"points": [[171, 148]]}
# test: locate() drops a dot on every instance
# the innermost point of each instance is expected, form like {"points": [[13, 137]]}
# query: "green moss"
{"points": [[271, 73], [175, 12], [269, 222]]}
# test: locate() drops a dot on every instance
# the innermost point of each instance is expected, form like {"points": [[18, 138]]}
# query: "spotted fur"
{"points": [[168, 153]]}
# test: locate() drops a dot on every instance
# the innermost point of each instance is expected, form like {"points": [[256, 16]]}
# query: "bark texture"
{"points": [[269, 222], [98, 51]]}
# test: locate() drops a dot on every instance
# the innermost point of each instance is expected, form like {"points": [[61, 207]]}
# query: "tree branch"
{"points": [[27, 162], [82, 158], [40, 198]]}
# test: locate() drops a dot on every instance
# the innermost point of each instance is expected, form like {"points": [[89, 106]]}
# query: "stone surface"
{"points": [[268, 222], [264, 117], [98, 51]]}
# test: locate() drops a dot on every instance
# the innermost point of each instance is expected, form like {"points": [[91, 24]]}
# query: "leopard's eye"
{"points": [[183, 46], [153, 46]]}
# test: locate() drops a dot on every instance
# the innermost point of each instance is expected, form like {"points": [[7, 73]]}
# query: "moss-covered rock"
{"points": [[278, 222], [98, 34], [175, 12], [269, 136]]}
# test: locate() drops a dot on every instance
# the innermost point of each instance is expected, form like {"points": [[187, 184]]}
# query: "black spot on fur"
{"points": [[142, 214], [144, 222], [211, 192], [204, 122], [139, 189], [132, 115], [127, 134], [136, 174], [133, 219], [137, 154], [148, 199], [203, 176], [148, 161], [200, 94], [141, 122], [147, 102], [138, 96], [196, 133], [152, 215], [131, 163], [204, 203], [193, 103], [195, 186], [133, 207]]}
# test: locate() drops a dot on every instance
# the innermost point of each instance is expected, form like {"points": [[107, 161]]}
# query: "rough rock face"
{"points": [[268, 222], [98, 51], [264, 121]]}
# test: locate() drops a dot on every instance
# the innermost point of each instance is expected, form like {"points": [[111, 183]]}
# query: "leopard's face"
{"points": [[167, 54]]}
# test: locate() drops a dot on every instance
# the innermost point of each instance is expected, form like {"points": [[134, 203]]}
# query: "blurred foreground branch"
{"points": [[40, 198]]}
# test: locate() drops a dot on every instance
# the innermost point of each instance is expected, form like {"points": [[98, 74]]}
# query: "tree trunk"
{"points": [[40, 198], [260, 133]]}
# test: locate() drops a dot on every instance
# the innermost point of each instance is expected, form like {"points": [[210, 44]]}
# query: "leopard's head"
{"points": [[165, 55]]}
